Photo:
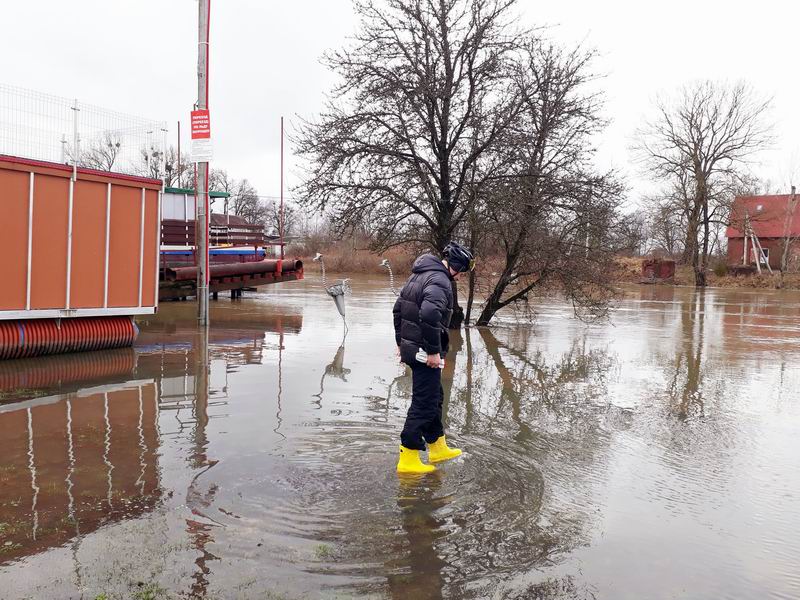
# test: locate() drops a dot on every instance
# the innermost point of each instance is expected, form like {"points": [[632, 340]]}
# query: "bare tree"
{"points": [[244, 202], [102, 152], [291, 218], [707, 134], [552, 216], [790, 234], [665, 226], [178, 173], [424, 95], [151, 163], [632, 235]]}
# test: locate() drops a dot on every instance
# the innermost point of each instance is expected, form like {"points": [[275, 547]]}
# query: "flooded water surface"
{"points": [[650, 456]]}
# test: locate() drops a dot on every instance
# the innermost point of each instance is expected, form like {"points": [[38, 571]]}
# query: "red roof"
{"points": [[767, 216]]}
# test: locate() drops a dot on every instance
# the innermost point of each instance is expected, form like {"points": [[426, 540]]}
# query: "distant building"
{"points": [[772, 219]]}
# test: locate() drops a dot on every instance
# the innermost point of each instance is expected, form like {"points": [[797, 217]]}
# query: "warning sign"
{"points": [[201, 125], [201, 136]]}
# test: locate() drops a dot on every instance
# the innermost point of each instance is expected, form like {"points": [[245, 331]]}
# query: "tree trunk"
{"points": [[470, 297], [690, 244], [700, 277], [493, 302], [489, 309], [699, 272], [473, 241]]}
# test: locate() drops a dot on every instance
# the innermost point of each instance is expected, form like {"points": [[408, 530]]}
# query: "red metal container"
{"points": [[76, 243]]}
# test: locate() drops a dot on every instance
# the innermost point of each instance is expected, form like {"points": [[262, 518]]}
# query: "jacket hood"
{"points": [[428, 262]]}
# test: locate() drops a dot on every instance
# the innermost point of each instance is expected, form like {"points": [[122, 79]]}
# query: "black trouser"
{"points": [[424, 419]]}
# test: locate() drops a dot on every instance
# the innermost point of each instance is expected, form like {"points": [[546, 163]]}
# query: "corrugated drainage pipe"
{"points": [[36, 337]]}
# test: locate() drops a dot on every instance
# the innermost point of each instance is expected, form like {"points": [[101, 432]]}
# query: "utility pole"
{"points": [[280, 224], [179, 155], [201, 214]]}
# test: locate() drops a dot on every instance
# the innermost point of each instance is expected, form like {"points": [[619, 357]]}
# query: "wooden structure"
{"points": [[657, 270], [759, 231]]}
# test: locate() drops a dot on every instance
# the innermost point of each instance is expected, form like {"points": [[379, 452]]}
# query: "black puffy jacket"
{"points": [[423, 310]]}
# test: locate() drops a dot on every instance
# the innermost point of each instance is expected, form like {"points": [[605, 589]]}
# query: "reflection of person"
{"points": [[421, 317], [416, 572]]}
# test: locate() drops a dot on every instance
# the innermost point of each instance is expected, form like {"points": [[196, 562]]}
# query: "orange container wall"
{"points": [[14, 236], [88, 248], [110, 264], [49, 248], [123, 257], [152, 231]]}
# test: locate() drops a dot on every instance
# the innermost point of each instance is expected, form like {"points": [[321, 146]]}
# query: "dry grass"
{"points": [[764, 281], [341, 257], [629, 271]]}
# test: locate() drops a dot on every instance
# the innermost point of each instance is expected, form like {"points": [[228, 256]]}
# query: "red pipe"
{"points": [[235, 269], [36, 337]]}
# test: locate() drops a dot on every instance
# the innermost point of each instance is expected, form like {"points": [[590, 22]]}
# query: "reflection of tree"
{"points": [[687, 376], [538, 423], [555, 387], [509, 392]]}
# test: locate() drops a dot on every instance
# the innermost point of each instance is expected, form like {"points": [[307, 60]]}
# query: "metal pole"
{"points": [[179, 154], [164, 132], [76, 141], [280, 225], [201, 223]]}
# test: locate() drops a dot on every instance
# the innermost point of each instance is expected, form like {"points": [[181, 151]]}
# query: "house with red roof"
{"points": [[772, 220]]}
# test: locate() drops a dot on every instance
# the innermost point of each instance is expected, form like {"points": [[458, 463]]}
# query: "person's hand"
{"points": [[433, 361], [399, 358]]}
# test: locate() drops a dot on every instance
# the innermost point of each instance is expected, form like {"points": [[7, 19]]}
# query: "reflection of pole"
{"points": [[197, 499], [179, 155], [201, 222], [107, 448], [142, 445], [201, 400], [71, 509], [32, 469], [71, 463], [280, 384]]}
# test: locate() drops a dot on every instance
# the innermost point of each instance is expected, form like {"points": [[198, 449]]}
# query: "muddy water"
{"points": [[651, 456]]}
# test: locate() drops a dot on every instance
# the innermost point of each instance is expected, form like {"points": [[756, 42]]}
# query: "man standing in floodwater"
{"points": [[421, 317]]}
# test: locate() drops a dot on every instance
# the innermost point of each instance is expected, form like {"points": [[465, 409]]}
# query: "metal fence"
{"points": [[62, 130]]}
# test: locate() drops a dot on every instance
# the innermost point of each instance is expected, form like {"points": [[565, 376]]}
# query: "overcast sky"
{"points": [[140, 57]]}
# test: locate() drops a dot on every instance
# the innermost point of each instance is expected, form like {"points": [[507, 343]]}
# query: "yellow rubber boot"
{"points": [[410, 462], [438, 451]]}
